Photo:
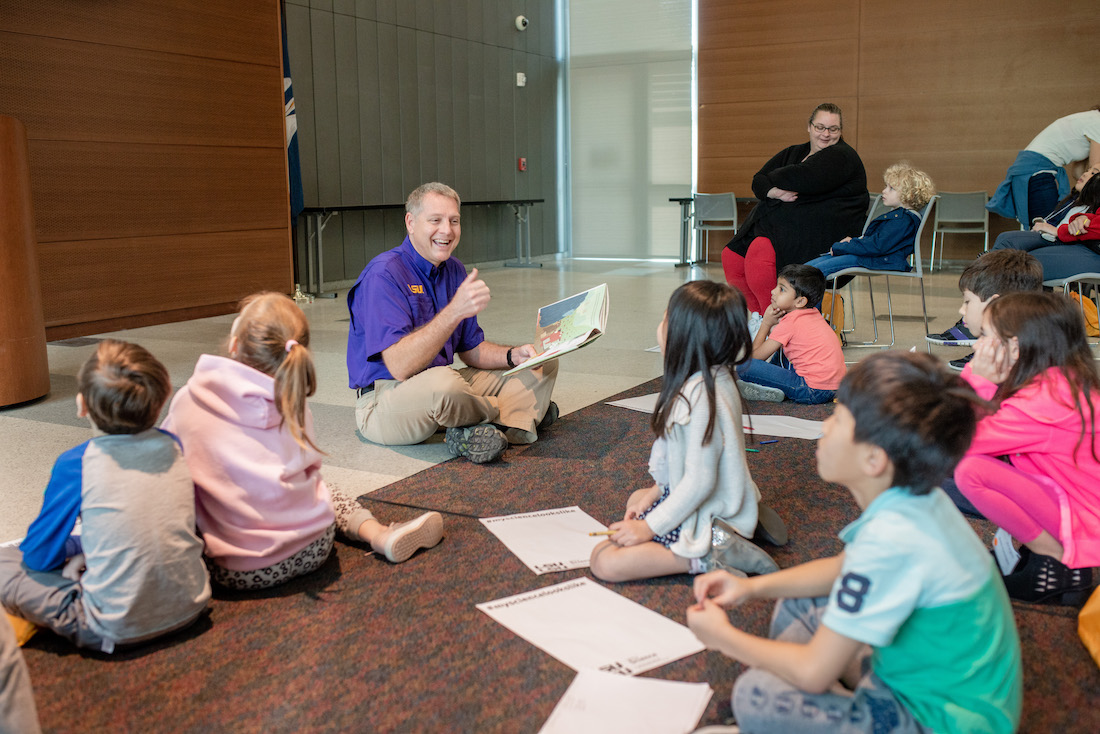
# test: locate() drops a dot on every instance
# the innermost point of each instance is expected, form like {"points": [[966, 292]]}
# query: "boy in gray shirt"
{"points": [[136, 571]]}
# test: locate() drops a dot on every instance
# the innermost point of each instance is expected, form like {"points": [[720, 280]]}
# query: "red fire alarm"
{"points": [[522, 164]]}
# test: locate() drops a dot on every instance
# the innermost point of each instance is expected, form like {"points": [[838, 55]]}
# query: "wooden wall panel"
{"points": [[210, 30], [156, 135], [184, 100], [726, 24], [181, 271], [955, 88], [747, 74], [142, 190]]}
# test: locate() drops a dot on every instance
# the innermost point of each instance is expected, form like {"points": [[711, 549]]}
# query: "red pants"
{"points": [[753, 274]]}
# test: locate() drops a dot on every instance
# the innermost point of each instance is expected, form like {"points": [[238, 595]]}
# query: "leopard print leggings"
{"points": [[349, 516]]}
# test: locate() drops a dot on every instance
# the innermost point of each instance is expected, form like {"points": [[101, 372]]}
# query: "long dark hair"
{"points": [[707, 327], [1051, 332], [1080, 198], [1090, 194]]}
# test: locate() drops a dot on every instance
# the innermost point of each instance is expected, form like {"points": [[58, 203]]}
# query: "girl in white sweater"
{"points": [[703, 505]]}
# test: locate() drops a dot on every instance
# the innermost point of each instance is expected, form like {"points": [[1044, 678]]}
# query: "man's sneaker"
{"points": [[958, 364], [752, 391], [957, 336], [551, 416], [729, 551], [479, 444], [406, 538]]}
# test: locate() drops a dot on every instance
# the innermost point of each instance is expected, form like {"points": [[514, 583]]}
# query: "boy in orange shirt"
{"points": [[804, 358]]}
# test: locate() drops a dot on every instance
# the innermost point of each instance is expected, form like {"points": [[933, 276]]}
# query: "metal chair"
{"points": [[714, 211], [874, 210], [959, 213], [1079, 280], [917, 272]]}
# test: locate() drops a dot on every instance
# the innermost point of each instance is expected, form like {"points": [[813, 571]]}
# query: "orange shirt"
{"points": [[812, 347]]}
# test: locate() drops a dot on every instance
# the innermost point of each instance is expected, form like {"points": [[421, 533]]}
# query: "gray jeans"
{"points": [[45, 598], [764, 703]]}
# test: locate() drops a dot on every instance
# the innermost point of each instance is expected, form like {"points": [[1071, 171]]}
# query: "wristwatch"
{"points": [[508, 357]]}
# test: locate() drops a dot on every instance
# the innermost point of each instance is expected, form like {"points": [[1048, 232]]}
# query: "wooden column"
{"points": [[24, 372]]}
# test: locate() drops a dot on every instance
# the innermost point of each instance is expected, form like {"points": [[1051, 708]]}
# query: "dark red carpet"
{"points": [[363, 645]]}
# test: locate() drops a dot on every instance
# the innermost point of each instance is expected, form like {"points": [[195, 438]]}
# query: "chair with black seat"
{"points": [[959, 213], [917, 272], [711, 212]]}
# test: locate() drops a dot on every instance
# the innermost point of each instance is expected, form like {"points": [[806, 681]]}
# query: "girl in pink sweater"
{"points": [[262, 508], [1033, 361]]}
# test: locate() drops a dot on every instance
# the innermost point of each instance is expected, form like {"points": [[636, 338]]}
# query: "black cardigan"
{"points": [[832, 202]]}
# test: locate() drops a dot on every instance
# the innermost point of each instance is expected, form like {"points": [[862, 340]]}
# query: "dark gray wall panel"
{"points": [[347, 101], [425, 93], [391, 93], [386, 11], [370, 113], [444, 109], [461, 136], [365, 9], [408, 107], [478, 134]]}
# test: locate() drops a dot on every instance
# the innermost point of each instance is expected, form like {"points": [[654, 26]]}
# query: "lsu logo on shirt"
{"points": [[416, 288]]}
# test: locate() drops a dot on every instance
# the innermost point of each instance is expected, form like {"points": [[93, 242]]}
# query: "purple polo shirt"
{"points": [[398, 292]]}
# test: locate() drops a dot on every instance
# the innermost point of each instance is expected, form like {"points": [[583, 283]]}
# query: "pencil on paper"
{"points": [[601, 532]]}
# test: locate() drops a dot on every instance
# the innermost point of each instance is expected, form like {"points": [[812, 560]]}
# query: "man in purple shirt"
{"points": [[413, 309]]}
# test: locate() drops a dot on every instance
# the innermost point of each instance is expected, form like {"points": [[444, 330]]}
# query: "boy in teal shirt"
{"points": [[911, 618]]}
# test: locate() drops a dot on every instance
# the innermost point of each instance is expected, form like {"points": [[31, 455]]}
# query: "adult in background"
{"points": [[810, 196], [1036, 179], [413, 309]]}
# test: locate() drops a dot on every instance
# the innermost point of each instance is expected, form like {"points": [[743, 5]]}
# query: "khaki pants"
{"points": [[403, 413]]}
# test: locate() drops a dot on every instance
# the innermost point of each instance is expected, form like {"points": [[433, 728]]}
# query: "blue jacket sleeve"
{"points": [[44, 548], [889, 234]]}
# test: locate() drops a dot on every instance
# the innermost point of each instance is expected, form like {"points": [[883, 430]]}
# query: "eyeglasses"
{"points": [[821, 128]]}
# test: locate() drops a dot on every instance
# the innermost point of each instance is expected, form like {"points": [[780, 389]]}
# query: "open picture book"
{"points": [[567, 325]]}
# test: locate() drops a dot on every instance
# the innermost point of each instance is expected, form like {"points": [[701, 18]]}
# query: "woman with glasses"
{"points": [[810, 196]]}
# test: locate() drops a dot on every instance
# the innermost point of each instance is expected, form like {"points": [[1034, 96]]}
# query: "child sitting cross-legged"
{"points": [[909, 628], [265, 513], [136, 570], [888, 241], [811, 364]]}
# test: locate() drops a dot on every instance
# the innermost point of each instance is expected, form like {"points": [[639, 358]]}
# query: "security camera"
{"points": [[521, 22]]}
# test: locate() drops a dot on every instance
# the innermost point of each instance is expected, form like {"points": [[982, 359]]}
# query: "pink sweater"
{"points": [[1038, 428], [259, 496]]}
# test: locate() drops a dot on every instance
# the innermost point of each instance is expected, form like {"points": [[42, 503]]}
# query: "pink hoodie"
{"points": [[259, 496], [1039, 428]]}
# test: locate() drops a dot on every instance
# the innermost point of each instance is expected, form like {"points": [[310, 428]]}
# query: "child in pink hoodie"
{"points": [[1033, 361], [262, 508]]}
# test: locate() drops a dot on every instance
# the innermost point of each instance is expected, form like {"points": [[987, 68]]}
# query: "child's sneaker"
{"points": [[752, 391], [480, 444], [406, 538], [1044, 580], [769, 526], [755, 319], [957, 336], [958, 364], [730, 551]]}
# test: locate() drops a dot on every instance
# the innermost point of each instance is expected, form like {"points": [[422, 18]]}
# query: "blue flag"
{"points": [[294, 168]]}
